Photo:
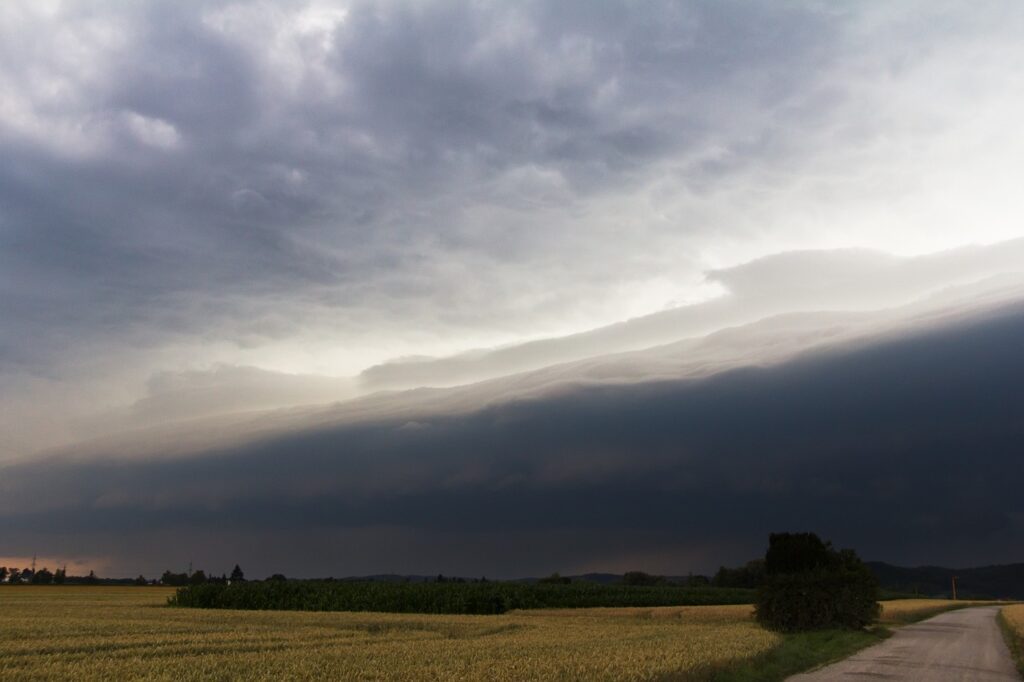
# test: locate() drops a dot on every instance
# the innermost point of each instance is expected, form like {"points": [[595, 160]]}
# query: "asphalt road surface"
{"points": [[963, 645]]}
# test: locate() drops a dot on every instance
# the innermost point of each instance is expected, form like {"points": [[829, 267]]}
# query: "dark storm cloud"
{"points": [[203, 206], [907, 449]]}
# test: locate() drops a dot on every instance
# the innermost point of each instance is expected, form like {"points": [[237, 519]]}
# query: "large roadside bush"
{"points": [[811, 586]]}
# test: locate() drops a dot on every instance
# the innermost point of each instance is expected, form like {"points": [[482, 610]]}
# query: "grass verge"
{"points": [[798, 653], [801, 652], [1014, 638]]}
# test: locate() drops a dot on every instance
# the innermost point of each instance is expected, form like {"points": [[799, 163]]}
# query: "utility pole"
{"points": [[954, 587], [33, 563]]}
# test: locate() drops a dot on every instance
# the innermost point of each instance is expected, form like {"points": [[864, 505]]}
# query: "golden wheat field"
{"points": [[900, 611], [111, 633], [1013, 617], [107, 633]]}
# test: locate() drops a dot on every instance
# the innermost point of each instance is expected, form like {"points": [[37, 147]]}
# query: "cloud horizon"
{"points": [[670, 475], [348, 243]]}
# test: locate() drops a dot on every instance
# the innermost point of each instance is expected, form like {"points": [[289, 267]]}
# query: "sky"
{"points": [[334, 288]]}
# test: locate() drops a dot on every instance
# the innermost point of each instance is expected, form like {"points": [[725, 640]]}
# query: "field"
{"points": [[902, 611], [93, 633], [1012, 621], [462, 598]]}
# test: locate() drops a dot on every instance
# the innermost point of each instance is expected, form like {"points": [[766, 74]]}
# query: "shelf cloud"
{"points": [[351, 265], [916, 432]]}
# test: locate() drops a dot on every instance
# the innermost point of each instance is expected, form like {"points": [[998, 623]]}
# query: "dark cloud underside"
{"points": [[908, 450]]}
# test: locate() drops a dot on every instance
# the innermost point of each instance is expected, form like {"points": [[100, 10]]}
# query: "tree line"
{"points": [[43, 576], [200, 578]]}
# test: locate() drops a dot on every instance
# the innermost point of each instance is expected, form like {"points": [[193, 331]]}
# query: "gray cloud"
{"points": [[852, 280], [446, 175], [224, 389]]}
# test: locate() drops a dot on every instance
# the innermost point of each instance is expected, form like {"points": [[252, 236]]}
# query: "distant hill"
{"points": [[984, 582], [994, 582]]}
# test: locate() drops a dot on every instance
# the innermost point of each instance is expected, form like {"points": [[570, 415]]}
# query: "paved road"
{"points": [[960, 646]]}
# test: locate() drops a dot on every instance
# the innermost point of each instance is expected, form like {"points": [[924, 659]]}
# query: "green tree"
{"points": [[797, 553], [174, 579], [641, 578], [811, 586], [237, 576], [750, 574], [42, 577]]}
